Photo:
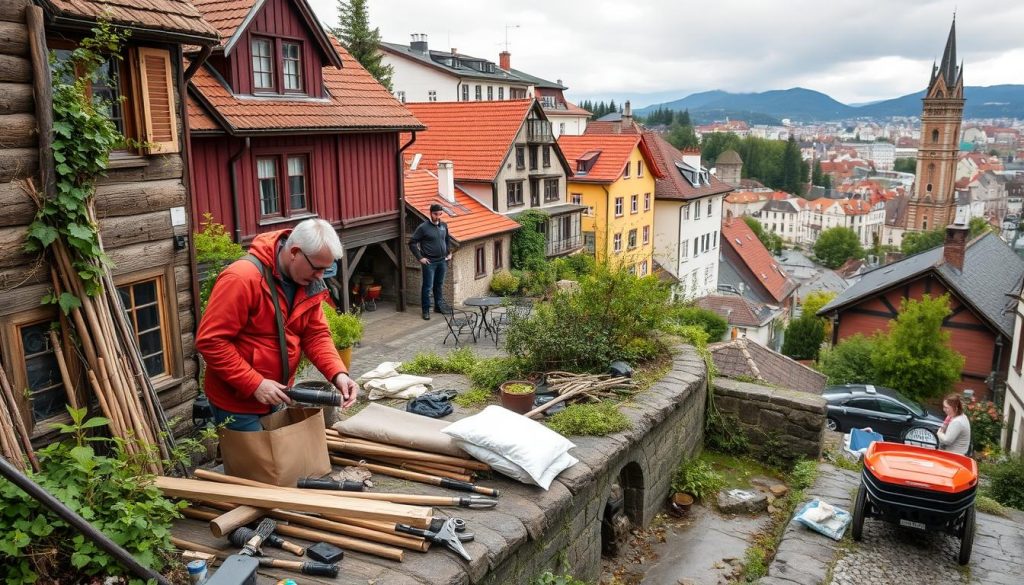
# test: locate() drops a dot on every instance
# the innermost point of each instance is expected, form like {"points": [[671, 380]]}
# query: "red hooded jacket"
{"points": [[238, 333]]}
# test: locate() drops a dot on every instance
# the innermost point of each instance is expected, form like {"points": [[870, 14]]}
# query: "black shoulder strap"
{"points": [[277, 313]]}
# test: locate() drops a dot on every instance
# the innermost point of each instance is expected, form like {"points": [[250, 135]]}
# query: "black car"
{"points": [[884, 410]]}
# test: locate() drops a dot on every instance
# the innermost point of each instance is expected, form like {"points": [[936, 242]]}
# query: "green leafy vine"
{"points": [[83, 137]]}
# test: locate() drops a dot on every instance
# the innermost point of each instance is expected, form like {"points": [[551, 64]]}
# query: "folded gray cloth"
{"points": [[431, 404]]}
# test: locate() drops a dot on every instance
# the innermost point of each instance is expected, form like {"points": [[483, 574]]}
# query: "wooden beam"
{"points": [[224, 524], [42, 87], [192, 489], [387, 250], [355, 261]]}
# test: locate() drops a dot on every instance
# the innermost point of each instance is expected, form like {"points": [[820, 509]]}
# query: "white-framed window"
{"points": [[262, 64], [266, 176], [400, 95], [684, 248], [618, 206], [490, 92], [639, 168], [561, 128], [291, 55], [647, 201], [643, 268], [634, 204], [625, 171], [465, 93], [686, 212], [297, 183], [631, 239], [696, 210], [576, 198], [617, 243], [647, 234], [501, 92], [478, 92], [432, 96], [709, 208]]}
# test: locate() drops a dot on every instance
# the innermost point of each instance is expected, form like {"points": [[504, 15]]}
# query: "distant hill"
{"points": [[807, 105]]}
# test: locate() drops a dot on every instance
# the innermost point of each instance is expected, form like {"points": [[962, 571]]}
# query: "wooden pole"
{"points": [[407, 454], [19, 423], [65, 376], [372, 534], [413, 476], [226, 523]]}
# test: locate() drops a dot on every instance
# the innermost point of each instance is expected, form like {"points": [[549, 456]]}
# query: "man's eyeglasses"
{"points": [[314, 266]]}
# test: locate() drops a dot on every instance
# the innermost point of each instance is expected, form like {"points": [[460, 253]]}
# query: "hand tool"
{"points": [[445, 536], [326, 396], [420, 477], [236, 568], [329, 484], [458, 524], [252, 546], [242, 535]]}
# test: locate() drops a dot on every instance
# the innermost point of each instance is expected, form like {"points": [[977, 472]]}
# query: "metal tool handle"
{"points": [[463, 486], [314, 396], [330, 484], [478, 502], [416, 531], [320, 569]]}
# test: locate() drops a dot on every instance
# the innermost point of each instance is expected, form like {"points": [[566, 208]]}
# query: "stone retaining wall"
{"points": [[796, 420]]}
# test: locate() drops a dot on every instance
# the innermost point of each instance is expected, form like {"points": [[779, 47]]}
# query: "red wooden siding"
{"points": [[277, 18], [976, 342], [365, 163], [368, 181]]}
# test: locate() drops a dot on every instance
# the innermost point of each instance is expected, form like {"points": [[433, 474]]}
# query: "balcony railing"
{"points": [[538, 131], [564, 245]]}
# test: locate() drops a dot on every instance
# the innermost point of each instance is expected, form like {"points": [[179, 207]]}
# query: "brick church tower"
{"points": [[933, 202]]}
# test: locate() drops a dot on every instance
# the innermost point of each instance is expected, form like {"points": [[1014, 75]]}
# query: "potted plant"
{"points": [[346, 330], [518, 395]]}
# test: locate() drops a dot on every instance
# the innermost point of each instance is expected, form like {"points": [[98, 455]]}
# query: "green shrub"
{"points": [[504, 283], [580, 265], [215, 248], [549, 578], [460, 361], [849, 361], [711, 322], [804, 337], [640, 349], [473, 398], [112, 492], [694, 335], [589, 327], [528, 243], [346, 328], [698, 478], [986, 424], [1007, 482], [722, 432], [804, 472], [598, 419], [490, 373]]}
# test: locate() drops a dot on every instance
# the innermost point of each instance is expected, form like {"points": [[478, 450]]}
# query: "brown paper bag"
{"points": [[293, 445]]}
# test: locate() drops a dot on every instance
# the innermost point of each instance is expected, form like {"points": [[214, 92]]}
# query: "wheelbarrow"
{"points": [[918, 488]]}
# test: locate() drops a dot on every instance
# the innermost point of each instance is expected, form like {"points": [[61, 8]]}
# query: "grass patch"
{"points": [[697, 478], [473, 398], [841, 461], [737, 471], [990, 506], [598, 419]]}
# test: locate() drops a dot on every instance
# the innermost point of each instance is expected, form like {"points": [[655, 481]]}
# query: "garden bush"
{"points": [[504, 283], [711, 322], [112, 492], [1006, 482], [215, 248], [986, 424], [697, 478], [587, 328], [849, 361]]}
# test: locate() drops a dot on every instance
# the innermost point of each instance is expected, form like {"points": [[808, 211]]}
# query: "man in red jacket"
{"points": [[238, 336]]}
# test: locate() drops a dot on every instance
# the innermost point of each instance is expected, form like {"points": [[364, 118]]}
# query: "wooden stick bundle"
{"points": [[373, 449], [15, 440]]}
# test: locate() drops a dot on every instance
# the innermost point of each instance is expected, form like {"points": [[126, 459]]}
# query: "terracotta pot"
{"points": [[520, 403], [679, 504]]}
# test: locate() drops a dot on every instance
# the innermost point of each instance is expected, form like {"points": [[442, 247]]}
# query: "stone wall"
{"points": [[796, 419]]}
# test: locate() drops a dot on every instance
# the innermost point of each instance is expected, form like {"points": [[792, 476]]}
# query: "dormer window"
{"points": [[276, 66]]}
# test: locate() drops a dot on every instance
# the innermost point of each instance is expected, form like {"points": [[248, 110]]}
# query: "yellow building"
{"points": [[613, 175]]}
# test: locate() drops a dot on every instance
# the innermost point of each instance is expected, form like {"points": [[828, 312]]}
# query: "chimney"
{"points": [[627, 113], [691, 156], [454, 51], [419, 43], [505, 60], [446, 180], [956, 240]]}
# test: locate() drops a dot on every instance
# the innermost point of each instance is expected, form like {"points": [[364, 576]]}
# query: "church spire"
{"points": [[950, 72]]}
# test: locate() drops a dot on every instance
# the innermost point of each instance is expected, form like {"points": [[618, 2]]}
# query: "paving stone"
{"points": [[736, 501]]}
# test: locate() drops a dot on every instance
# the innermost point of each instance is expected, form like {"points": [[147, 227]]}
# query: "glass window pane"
{"points": [[262, 64], [297, 182], [144, 293], [46, 390], [148, 317], [266, 172], [154, 365], [150, 343]]}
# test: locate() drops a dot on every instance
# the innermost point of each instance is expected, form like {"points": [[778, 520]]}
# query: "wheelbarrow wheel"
{"points": [[859, 506], [967, 536]]}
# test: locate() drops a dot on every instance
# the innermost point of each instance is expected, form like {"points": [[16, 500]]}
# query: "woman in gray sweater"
{"points": [[955, 434]]}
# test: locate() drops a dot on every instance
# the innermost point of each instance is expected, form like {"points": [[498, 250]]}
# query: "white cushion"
{"points": [[514, 445]]}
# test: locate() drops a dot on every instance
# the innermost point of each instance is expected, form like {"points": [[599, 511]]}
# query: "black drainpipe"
{"points": [[400, 171], [236, 214]]}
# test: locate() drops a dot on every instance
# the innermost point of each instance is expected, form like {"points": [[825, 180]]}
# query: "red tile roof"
{"points": [[614, 152], [467, 218], [356, 101], [198, 118], [476, 136], [225, 15], [597, 127], [738, 236], [672, 185], [170, 16]]}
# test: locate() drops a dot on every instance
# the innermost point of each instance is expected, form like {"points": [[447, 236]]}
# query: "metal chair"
{"points": [[459, 322], [518, 308]]}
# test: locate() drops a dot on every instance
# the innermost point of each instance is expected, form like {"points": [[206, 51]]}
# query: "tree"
{"points": [[849, 361], [916, 242], [793, 175], [682, 137], [804, 337], [361, 41], [905, 165], [816, 174], [915, 357], [837, 245], [528, 243], [771, 240]]}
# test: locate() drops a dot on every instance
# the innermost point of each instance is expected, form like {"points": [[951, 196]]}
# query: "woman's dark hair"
{"points": [[954, 401]]}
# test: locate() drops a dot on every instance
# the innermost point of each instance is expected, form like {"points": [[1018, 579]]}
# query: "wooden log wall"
{"points": [[133, 204]]}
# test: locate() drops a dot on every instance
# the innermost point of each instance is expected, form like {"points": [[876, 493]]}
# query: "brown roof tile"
{"points": [[168, 16], [673, 185], [739, 237], [615, 151]]}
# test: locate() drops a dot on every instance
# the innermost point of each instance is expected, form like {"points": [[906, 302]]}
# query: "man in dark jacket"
{"points": [[432, 246]]}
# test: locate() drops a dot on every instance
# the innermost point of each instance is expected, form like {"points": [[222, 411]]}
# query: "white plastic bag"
{"points": [[815, 515]]}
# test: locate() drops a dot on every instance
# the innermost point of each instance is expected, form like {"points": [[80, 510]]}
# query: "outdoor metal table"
{"points": [[484, 304]]}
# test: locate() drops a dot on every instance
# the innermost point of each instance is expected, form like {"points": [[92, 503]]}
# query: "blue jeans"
{"points": [[433, 280], [240, 422]]}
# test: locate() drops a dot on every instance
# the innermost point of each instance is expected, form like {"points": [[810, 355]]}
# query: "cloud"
{"points": [[875, 49]]}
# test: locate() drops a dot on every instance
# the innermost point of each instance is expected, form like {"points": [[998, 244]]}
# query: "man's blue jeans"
{"points": [[433, 280], [240, 422]]}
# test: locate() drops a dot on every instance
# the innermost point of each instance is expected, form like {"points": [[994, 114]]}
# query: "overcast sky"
{"points": [[653, 51]]}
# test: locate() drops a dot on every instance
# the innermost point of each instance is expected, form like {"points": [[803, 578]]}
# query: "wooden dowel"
{"points": [[425, 469], [371, 534], [182, 544], [413, 476], [345, 542], [62, 365], [407, 454], [19, 423], [226, 523]]}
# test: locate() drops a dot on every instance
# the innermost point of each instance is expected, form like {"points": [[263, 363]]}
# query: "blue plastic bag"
{"points": [[862, 438], [832, 526]]}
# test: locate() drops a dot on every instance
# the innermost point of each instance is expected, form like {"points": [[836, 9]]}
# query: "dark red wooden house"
{"points": [[286, 125], [983, 279]]}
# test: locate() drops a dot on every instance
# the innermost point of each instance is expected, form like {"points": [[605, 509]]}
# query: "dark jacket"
{"points": [[238, 333], [431, 242]]}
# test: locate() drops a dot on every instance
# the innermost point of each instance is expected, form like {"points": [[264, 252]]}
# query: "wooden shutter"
{"points": [[159, 116]]}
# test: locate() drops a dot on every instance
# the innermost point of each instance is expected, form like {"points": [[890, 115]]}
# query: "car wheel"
{"points": [[922, 437], [832, 424]]}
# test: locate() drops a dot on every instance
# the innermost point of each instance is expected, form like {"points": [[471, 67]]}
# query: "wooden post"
{"points": [[42, 87]]}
